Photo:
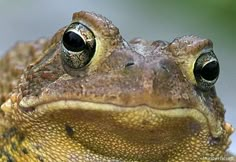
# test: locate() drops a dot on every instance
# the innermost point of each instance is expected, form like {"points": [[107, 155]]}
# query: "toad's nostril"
{"points": [[164, 67], [129, 64]]}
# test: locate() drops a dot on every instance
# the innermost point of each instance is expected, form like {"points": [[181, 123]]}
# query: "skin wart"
{"points": [[88, 95]]}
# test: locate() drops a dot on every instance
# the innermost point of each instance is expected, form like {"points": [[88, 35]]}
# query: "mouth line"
{"points": [[86, 105], [180, 111]]}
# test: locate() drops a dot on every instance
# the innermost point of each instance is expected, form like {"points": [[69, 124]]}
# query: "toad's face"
{"points": [[93, 95]]}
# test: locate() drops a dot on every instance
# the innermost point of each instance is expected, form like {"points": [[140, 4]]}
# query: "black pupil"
{"points": [[73, 42], [210, 71]]}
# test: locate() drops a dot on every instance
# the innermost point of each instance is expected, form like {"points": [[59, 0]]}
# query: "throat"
{"points": [[89, 135], [135, 135], [12, 145]]}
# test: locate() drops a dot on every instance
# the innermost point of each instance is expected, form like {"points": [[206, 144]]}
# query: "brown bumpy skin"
{"points": [[14, 62], [132, 101]]}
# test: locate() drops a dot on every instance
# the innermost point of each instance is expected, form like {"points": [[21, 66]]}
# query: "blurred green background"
{"points": [[150, 19]]}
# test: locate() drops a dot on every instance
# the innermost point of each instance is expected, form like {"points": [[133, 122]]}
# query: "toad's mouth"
{"points": [[50, 106], [140, 119], [141, 127], [143, 111]]}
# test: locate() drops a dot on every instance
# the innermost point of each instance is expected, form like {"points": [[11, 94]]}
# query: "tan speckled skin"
{"points": [[135, 101]]}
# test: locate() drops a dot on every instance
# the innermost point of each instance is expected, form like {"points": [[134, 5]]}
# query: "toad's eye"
{"points": [[206, 70], [78, 46], [72, 41]]}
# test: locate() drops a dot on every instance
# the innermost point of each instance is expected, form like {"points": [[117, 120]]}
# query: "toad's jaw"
{"points": [[143, 126], [138, 113], [181, 112], [44, 106]]}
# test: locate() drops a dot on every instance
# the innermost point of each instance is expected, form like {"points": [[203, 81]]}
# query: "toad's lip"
{"points": [[178, 111], [85, 105], [42, 108]]}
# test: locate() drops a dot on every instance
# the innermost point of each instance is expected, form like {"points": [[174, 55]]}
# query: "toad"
{"points": [[87, 95]]}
